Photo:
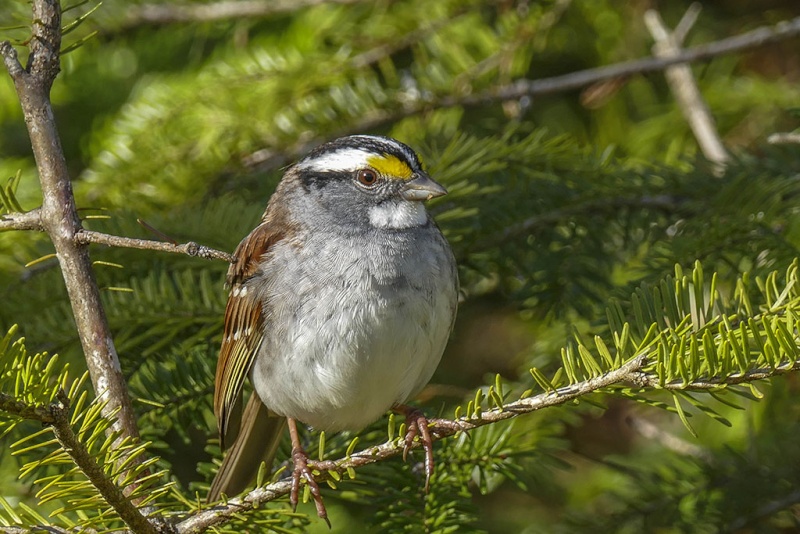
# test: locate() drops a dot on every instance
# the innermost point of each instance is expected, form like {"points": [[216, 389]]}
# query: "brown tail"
{"points": [[257, 441]]}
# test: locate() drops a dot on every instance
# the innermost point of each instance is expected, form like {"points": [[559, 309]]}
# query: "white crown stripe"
{"points": [[345, 159]]}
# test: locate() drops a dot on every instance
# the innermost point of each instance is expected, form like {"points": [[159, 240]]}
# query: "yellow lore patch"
{"points": [[390, 166]]}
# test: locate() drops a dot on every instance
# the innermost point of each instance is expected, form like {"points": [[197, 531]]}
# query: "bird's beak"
{"points": [[422, 187]]}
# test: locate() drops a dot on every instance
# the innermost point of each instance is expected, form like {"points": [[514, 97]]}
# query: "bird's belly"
{"points": [[353, 337], [343, 371]]}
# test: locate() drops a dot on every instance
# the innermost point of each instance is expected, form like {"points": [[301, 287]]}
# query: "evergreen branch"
{"points": [[112, 493], [440, 428], [30, 220], [652, 381], [59, 216], [12, 405], [57, 415], [190, 249], [374, 55], [158, 14], [766, 510], [630, 372], [575, 80], [38, 529], [268, 159], [662, 203]]}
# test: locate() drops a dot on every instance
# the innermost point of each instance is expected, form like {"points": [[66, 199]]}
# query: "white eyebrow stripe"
{"points": [[345, 159]]}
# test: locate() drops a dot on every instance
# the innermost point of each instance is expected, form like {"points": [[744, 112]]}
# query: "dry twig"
{"points": [[682, 83]]}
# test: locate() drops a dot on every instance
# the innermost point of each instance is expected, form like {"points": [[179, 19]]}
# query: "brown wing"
{"points": [[243, 329]]}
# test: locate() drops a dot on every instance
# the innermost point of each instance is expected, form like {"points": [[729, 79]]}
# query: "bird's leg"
{"points": [[302, 470], [417, 425]]}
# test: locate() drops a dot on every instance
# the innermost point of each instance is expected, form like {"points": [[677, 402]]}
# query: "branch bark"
{"points": [[58, 215], [440, 429], [30, 220], [784, 138], [190, 249], [112, 493]]}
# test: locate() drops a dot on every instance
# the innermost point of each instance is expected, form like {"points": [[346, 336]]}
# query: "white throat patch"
{"points": [[398, 214]]}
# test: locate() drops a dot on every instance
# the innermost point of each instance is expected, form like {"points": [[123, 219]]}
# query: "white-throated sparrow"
{"points": [[341, 303]]}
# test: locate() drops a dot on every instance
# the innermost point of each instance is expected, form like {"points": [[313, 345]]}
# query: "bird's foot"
{"points": [[417, 425], [302, 470]]}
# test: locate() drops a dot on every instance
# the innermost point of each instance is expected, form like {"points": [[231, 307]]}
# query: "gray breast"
{"points": [[353, 324]]}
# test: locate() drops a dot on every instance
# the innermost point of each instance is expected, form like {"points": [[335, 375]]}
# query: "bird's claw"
{"points": [[417, 425], [302, 470]]}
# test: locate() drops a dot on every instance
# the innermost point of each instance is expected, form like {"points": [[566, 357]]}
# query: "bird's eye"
{"points": [[367, 177]]}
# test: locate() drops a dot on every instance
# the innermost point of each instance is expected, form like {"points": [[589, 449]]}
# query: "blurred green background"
{"points": [[558, 204]]}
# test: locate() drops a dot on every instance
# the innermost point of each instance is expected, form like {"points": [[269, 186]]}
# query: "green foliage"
{"points": [[567, 214], [35, 387], [29, 383]]}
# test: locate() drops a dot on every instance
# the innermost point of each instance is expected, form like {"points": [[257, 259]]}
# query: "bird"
{"points": [[341, 302]]}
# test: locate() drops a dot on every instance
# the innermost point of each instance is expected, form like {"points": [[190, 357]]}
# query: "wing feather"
{"points": [[243, 329]]}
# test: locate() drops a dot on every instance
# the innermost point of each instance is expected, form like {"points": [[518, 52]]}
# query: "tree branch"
{"points": [[267, 159], [56, 414], [32, 220], [630, 372], [768, 509], [112, 493], [784, 138], [651, 381], [38, 529], [683, 85], [440, 429], [58, 215], [157, 14], [12, 405], [190, 249], [575, 80]]}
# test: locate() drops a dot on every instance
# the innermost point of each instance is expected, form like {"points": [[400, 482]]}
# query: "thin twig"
{"points": [[58, 214], [683, 85], [190, 249], [12, 405], [784, 138], [32, 220], [630, 372], [157, 14], [704, 384], [268, 159], [767, 510], [575, 80], [38, 529]]}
